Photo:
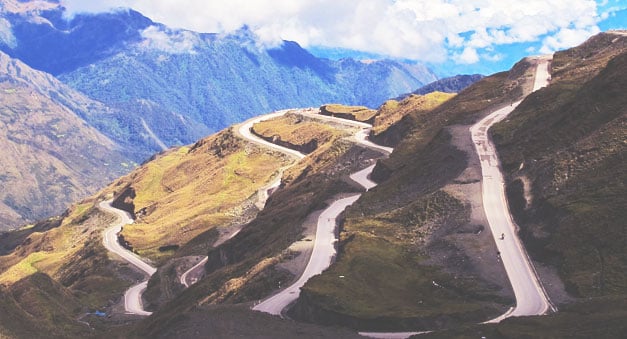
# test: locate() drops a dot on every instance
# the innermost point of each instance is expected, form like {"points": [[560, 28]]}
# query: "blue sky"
{"points": [[452, 36]]}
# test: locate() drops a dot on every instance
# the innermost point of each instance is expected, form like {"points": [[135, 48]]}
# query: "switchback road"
{"points": [[133, 296], [321, 257], [324, 244]]}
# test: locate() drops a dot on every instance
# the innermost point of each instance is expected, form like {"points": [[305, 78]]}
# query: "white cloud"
{"points": [[566, 37], [82, 6], [468, 56], [424, 30], [170, 41], [6, 33]]}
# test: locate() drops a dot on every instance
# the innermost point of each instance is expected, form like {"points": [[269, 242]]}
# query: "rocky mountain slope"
{"points": [[563, 149], [51, 157]]}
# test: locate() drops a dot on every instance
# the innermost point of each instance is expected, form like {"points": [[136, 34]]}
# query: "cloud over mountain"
{"points": [[426, 30]]}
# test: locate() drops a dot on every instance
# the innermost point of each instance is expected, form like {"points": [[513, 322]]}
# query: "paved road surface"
{"points": [[363, 177], [361, 136], [321, 257], [191, 276], [245, 130], [531, 298], [133, 296]]}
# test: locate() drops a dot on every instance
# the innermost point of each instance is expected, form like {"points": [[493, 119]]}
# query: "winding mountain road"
{"points": [[245, 130], [324, 243], [320, 259], [323, 251], [531, 299], [132, 296], [190, 276]]}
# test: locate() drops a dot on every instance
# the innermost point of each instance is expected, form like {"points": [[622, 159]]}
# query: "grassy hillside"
{"points": [[244, 268], [357, 113], [567, 146], [56, 272], [186, 192], [393, 111], [295, 132]]}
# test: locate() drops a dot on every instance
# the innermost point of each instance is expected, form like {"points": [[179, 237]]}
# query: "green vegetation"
{"points": [[58, 271], [410, 293]]}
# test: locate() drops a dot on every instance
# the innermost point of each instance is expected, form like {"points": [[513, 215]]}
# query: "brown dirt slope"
{"points": [[50, 156]]}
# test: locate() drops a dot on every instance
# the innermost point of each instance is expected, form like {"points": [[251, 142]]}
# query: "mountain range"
{"points": [[146, 87], [204, 81], [51, 156]]}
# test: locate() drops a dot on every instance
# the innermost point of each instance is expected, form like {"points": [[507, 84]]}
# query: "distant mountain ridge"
{"points": [[184, 84]]}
